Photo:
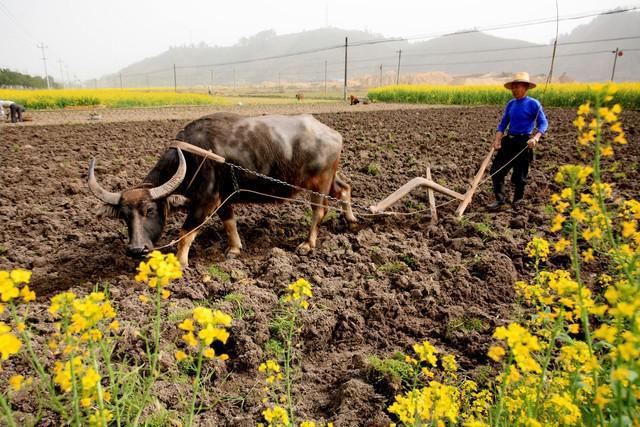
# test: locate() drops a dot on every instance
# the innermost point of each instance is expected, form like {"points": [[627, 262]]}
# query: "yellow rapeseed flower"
{"points": [[426, 352], [180, 355], [16, 382], [9, 344], [538, 248], [584, 109], [190, 339], [562, 244], [587, 255], [496, 353], [276, 416], [187, 325], [27, 294]]}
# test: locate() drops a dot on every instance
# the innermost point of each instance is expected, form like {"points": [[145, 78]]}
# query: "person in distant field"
{"points": [[15, 109], [521, 115]]}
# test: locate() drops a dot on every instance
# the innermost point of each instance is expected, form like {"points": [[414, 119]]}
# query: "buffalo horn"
{"points": [[170, 186], [97, 190]]}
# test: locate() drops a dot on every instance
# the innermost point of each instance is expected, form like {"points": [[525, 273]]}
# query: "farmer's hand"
{"points": [[497, 144], [531, 143]]}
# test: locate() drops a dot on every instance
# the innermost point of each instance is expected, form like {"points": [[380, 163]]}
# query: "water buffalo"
{"points": [[296, 149]]}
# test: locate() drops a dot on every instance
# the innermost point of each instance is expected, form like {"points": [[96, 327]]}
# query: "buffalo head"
{"points": [[144, 208]]}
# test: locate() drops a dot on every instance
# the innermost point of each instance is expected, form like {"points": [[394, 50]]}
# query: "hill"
{"points": [[472, 54]]}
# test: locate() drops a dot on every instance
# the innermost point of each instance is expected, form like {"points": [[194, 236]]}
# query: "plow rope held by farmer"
{"points": [[296, 149]]}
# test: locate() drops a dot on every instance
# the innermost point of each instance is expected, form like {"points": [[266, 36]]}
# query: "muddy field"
{"points": [[378, 289]]}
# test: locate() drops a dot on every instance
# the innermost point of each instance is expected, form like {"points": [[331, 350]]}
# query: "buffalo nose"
{"points": [[138, 252]]}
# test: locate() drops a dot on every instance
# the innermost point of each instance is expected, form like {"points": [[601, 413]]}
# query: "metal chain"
{"points": [[306, 190]]}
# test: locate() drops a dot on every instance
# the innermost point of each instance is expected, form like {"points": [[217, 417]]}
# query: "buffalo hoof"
{"points": [[232, 254], [354, 226], [304, 249]]}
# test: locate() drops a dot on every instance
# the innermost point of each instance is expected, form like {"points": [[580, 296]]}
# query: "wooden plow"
{"points": [[432, 186]]}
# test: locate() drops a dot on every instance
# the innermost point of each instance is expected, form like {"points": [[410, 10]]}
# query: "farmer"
{"points": [[515, 148], [15, 109]]}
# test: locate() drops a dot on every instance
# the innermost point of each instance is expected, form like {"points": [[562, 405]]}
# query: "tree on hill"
{"points": [[14, 78]]}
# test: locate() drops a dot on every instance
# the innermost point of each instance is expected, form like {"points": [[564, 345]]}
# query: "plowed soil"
{"points": [[391, 282]]}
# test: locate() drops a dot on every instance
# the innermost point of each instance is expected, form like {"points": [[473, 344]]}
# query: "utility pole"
{"points": [[398, 73], [211, 78], [175, 79], [380, 75], [44, 58], [325, 78], [346, 45], [616, 53], [61, 73]]}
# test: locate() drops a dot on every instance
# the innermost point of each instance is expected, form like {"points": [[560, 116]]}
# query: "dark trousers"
{"points": [[504, 162], [16, 112]]}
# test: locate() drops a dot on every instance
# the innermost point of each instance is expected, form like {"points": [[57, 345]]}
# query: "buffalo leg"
{"points": [[341, 190], [188, 232], [229, 223], [319, 212]]}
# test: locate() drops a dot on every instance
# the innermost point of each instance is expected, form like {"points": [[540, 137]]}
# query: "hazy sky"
{"points": [[91, 38]]}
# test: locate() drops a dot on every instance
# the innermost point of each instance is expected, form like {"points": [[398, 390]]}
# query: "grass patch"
{"points": [[222, 275], [465, 324], [240, 311], [395, 369], [392, 267], [372, 169]]}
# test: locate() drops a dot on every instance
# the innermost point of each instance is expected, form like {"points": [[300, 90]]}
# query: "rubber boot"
{"points": [[518, 196], [498, 189]]}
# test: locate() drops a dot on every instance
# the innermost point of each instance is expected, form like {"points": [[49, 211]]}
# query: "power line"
{"points": [[501, 26], [395, 40], [13, 18], [515, 59]]}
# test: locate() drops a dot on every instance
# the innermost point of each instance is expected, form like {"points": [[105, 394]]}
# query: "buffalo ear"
{"points": [[108, 211], [177, 200]]}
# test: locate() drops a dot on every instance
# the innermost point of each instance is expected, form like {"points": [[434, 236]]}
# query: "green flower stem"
{"points": [[106, 355], [196, 386], [288, 358], [547, 359], [37, 366], [503, 389], [98, 384], [153, 357], [7, 411]]}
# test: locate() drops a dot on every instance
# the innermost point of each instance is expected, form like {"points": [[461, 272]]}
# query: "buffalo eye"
{"points": [[148, 210]]}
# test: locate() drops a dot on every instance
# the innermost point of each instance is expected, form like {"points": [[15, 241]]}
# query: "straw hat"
{"points": [[520, 77]]}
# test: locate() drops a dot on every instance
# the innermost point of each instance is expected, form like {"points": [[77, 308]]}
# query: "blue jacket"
{"points": [[521, 115]]}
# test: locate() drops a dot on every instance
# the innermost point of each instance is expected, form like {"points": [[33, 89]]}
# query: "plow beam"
{"points": [[474, 185], [408, 187]]}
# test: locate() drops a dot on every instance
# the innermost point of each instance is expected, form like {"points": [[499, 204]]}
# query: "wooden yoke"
{"points": [[474, 185], [185, 146]]}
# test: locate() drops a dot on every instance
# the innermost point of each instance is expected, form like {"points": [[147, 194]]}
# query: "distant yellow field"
{"points": [[556, 95], [114, 98]]}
